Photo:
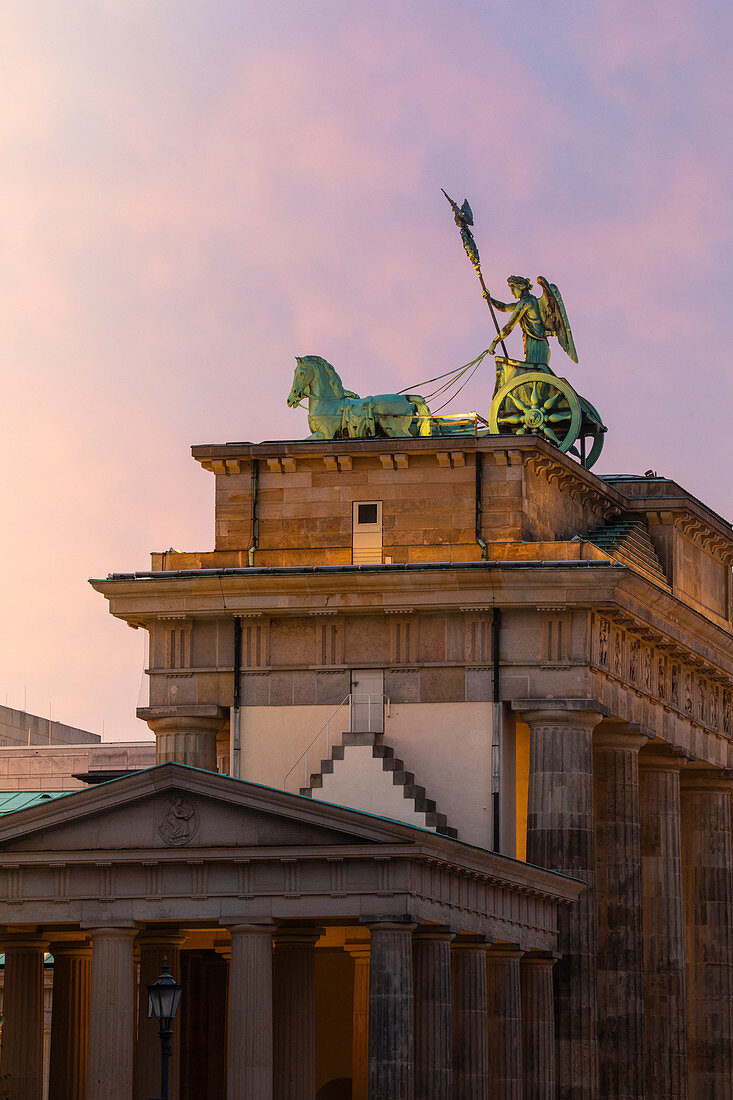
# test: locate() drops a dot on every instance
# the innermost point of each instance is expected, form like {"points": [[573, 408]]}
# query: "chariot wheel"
{"points": [[537, 404]]}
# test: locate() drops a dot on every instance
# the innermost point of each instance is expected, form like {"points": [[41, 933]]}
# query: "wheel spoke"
{"points": [[551, 435], [555, 418], [509, 419], [552, 401], [518, 402], [533, 396]]}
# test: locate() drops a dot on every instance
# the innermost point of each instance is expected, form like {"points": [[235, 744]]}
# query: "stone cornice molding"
{"points": [[694, 522], [575, 482]]}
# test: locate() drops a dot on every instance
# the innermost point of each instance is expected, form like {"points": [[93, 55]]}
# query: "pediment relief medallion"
{"points": [[179, 821]]}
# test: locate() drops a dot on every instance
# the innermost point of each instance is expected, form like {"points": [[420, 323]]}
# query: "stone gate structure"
{"points": [[449, 732]]}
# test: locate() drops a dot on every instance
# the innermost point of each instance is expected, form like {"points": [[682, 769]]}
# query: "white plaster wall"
{"points": [[448, 747], [360, 781], [272, 739]]}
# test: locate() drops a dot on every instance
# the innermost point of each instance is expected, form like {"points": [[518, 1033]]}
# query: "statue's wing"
{"points": [[467, 213], [555, 318]]}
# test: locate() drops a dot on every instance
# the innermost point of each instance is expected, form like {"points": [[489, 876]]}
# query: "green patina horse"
{"points": [[336, 413]]}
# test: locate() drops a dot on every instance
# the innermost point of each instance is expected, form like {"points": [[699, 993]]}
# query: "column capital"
{"points": [[262, 927], [196, 716], [186, 734], [615, 734], [117, 932], [664, 758], [542, 959], [470, 943], [156, 937], [297, 936], [390, 926], [21, 941], [425, 933], [707, 780], [568, 712], [504, 951], [82, 948]]}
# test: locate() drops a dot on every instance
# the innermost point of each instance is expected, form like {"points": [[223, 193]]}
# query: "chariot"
{"points": [[530, 399]]}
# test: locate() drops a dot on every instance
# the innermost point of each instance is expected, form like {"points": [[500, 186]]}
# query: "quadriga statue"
{"points": [[336, 413]]}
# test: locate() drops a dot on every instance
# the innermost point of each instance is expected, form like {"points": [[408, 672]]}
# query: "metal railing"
{"points": [[366, 712], [366, 715]]}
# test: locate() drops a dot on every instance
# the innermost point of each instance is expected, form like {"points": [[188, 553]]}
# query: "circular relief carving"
{"points": [[178, 823]]}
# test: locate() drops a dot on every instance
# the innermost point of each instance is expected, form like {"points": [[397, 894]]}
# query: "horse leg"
{"points": [[322, 426]]}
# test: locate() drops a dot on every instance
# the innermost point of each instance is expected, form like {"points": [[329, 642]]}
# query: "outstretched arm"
{"points": [[503, 306], [519, 310]]}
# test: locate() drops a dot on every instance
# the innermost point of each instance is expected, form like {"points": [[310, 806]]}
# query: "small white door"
{"points": [[367, 532], [367, 700]]}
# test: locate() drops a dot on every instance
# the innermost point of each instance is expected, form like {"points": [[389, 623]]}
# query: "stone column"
{"points": [[155, 946], [111, 1019], [470, 1021], [665, 1001], [294, 1014], [560, 837], [186, 735], [505, 1022], [391, 1013], [538, 1027], [249, 1057], [72, 974], [619, 921], [707, 869], [359, 952], [22, 1041], [433, 1018]]}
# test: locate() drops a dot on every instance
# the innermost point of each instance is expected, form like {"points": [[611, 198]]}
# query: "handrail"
{"points": [[359, 699], [304, 754]]}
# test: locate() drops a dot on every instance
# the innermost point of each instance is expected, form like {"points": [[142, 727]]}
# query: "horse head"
{"points": [[314, 376], [302, 379]]}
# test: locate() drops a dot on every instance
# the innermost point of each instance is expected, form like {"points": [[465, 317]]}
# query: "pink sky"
{"points": [[195, 192]]}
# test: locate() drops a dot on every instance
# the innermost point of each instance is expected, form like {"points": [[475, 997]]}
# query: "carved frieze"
{"points": [[652, 665]]}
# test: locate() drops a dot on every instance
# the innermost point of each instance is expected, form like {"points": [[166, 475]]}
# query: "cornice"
{"points": [[692, 521], [575, 481]]}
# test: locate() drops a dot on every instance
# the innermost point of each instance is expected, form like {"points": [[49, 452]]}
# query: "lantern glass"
{"points": [[164, 995]]}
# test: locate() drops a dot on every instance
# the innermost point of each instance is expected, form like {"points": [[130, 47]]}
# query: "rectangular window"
{"points": [[367, 532]]}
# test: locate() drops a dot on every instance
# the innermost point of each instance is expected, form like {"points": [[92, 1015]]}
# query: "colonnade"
{"points": [[437, 1016], [638, 1005], [644, 1005]]}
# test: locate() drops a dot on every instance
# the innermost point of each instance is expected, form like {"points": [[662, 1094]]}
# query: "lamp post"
{"points": [[163, 997]]}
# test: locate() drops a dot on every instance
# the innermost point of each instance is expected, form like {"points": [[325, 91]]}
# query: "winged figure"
{"points": [[538, 318]]}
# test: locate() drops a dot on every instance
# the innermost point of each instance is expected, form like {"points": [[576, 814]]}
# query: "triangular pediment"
{"points": [[175, 807]]}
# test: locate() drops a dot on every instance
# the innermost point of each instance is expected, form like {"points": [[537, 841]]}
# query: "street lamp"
{"points": [[163, 997]]}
